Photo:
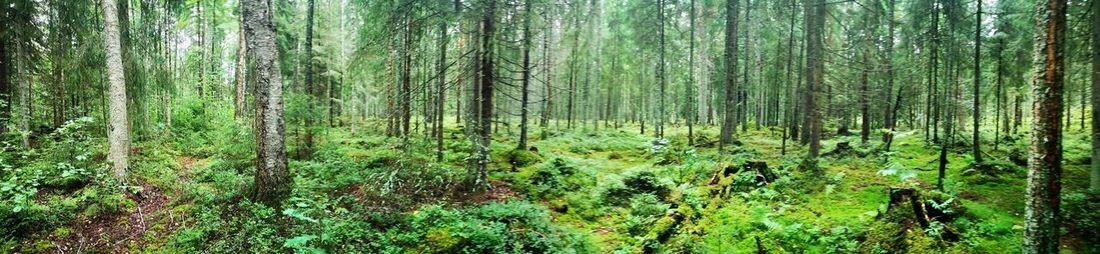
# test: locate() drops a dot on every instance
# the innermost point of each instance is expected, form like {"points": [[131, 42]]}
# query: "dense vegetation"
{"points": [[549, 126]]}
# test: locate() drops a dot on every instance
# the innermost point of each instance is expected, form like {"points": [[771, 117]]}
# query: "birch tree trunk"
{"points": [[272, 183], [119, 133]]}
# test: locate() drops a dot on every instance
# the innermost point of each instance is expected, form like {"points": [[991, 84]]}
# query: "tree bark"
{"points": [[526, 74], [891, 116], [659, 128], [978, 85], [730, 102], [119, 137], [689, 110], [1044, 183], [1094, 183], [815, 25], [311, 93], [238, 97], [272, 182], [442, 86], [480, 180]]}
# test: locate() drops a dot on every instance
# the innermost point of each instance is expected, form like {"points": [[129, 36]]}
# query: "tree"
{"points": [[815, 26], [442, 82], [978, 84], [480, 177], [238, 95], [272, 182], [119, 137], [1094, 184], [1044, 182], [659, 128], [311, 91], [730, 102], [689, 110], [891, 110], [526, 74]]}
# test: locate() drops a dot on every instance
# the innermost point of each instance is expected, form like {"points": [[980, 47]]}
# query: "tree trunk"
{"points": [[5, 86], [119, 137], [1094, 183], [480, 180], [788, 115], [526, 74], [730, 102], [815, 26], [272, 182], [406, 78], [891, 116], [1044, 182], [238, 98], [311, 93], [440, 99], [977, 84], [659, 129], [548, 94], [864, 102], [689, 111]]}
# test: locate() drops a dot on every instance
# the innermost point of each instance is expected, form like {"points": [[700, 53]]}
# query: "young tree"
{"points": [[272, 182], [1044, 182], [119, 136], [730, 102]]}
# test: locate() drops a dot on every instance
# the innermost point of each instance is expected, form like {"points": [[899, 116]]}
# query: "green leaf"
{"points": [[297, 214], [298, 241]]}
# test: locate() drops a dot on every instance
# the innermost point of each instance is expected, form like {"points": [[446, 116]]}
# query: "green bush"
{"points": [[618, 191], [521, 158], [1082, 215]]}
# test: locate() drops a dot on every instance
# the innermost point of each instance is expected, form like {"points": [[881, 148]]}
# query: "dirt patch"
{"points": [[147, 223], [970, 195]]}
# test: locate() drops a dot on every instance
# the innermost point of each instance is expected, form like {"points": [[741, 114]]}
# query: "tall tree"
{"points": [[311, 92], [659, 129], [272, 182], [119, 136], [442, 83], [815, 79], [238, 95], [730, 102], [1044, 178], [978, 84], [689, 110], [1094, 184], [526, 80], [891, 115], [480, 178]]}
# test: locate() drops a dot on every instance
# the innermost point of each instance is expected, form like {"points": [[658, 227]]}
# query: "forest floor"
{"points": [[585, 191]]}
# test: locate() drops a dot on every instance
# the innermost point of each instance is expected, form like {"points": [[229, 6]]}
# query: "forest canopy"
{"points": [[549, 126]]}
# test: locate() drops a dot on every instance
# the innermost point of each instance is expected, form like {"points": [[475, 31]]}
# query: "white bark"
{"points": [[119, 134]]}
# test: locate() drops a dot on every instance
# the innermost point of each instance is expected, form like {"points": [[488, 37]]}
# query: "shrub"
{"points": [[618, 191]]}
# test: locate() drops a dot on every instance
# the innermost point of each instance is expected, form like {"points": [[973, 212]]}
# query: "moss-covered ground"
{"points": [[611, 190]]}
